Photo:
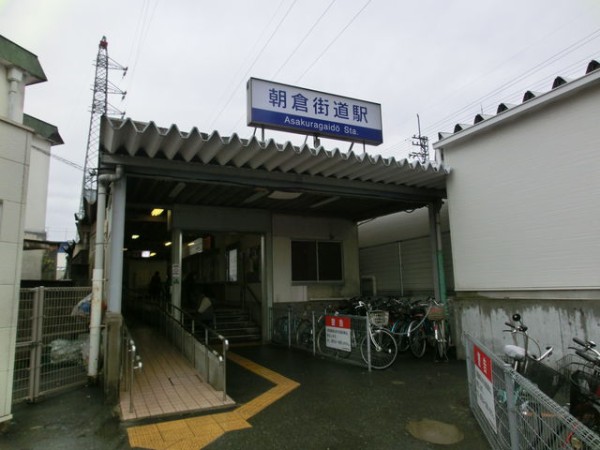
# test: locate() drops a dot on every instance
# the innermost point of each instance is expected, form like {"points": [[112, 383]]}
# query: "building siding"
{"points": [[523, 201]]}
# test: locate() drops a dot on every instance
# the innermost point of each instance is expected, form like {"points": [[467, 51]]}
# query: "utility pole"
{"points": [[100, 107], [422, 155]]}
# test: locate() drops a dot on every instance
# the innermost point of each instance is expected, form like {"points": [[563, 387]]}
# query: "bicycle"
{"points": [[584, 392], [377, 345], [400, 310], [428, 325]]}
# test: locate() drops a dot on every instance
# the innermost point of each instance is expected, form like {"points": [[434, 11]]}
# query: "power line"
{"points": [[308, 33], [254, 62], [452, 117], [333, 41], [59, 158], [250, 55]]}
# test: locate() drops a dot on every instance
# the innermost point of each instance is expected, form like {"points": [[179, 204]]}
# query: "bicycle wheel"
{"points": [[441, 342], [400, 330], [383, 349], [330, 352], [304, 334], [417, 338]]}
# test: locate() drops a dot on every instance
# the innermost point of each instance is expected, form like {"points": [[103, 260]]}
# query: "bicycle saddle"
{"points": [[514, 352]]}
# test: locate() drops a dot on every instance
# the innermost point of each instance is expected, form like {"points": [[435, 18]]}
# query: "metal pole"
{"points": [[289, 330], [511, 407], [224, 361], [314, 334], [206, 360], [368, 341]]}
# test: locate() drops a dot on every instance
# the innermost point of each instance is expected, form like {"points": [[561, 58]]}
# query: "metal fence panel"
{"points": [[514, 413], [305, 330], [52, 344]]}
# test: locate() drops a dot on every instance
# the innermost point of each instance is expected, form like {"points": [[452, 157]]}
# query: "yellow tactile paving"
{"points": [[197, 432]]}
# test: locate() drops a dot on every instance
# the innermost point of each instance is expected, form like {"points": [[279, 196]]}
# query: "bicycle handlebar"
{"points": [[585, 355], [515, 328], [580, 342]]}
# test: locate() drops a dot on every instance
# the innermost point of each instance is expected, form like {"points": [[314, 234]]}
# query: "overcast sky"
{"points": [[189, 61]]}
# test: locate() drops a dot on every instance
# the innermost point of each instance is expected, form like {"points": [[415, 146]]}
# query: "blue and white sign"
{"points": [[290, 108]]}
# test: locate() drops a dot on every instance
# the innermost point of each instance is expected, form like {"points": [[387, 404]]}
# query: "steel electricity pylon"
{"points": [[100, 106]]}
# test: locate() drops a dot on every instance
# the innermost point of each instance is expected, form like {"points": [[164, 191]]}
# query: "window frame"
{"points": [[319, 257]]}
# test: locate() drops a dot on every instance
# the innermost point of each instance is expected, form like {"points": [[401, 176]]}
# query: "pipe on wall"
{"points": [[98, 272]]}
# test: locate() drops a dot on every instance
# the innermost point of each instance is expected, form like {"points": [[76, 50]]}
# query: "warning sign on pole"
{"points": [[338, 333]]}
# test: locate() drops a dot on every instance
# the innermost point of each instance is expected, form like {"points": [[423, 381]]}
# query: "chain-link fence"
{"points": [[52, 345], [516, 414]]}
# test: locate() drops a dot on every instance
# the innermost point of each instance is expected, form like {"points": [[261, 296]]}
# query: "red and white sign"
{"points": [[484, 387], [338, 332]]}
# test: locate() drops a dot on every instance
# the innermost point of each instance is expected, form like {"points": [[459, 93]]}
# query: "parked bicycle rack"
{"points": [[305, 330], [513, 413]]}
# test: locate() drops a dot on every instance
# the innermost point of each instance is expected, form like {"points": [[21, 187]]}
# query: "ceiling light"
{"points": [[157, 212], [177, 189], [168, 243], [325, 202], [135, 236], [256, 196]]}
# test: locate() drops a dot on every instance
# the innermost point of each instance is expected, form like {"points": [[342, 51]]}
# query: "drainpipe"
{"points": [[15, 99], [98, 273]]}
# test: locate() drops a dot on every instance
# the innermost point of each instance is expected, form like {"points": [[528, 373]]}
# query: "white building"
{"points": [[22, 205], [520, 227], [524, 213]]}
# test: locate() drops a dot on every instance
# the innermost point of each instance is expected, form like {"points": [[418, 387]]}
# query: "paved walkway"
{"points": [[285, 400], [167, 384]]}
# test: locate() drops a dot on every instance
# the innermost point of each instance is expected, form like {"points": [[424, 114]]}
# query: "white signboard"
{"points": [[290, 108], [483, 385], [337, 333]]}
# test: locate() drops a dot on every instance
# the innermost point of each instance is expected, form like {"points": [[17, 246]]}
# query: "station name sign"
{"points": [[298, 110]]}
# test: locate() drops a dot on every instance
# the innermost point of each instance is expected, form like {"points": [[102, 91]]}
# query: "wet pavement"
{"points": [[335, 406]]}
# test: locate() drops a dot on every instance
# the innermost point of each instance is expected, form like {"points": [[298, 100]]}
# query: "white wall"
{"points": [[37, 190], [399, 227], [524, 201], [288, 228], [14, 162]]}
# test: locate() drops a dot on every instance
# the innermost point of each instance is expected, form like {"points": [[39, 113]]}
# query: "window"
{"points": [[232, 264], [316, 261]]}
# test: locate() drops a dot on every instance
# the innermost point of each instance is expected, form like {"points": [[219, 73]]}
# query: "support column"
{"points": [[176, 263], [112, 360], [266, 279], [437, 256], [117, 242]]}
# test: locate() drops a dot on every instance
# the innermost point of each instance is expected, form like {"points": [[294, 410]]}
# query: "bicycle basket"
{"points": [[436, 313], [379, 318]]}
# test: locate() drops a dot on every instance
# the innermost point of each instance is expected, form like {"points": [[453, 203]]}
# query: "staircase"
{"points": [[236, 325]]}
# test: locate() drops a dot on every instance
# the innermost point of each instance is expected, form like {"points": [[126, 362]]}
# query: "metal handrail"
{"points": [[180, 317], [131, 362]]}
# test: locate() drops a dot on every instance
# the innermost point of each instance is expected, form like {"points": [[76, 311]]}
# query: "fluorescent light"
{"points": [[135, 236], [325, 202], [256, 196], [177, 189], [282, 195], [157, 212], [168, 243]]}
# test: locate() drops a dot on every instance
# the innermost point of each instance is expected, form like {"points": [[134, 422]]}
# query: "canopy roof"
{"points": [[167, 167]]}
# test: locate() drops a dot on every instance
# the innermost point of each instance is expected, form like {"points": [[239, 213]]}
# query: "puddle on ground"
{"points": [[435, 432]]}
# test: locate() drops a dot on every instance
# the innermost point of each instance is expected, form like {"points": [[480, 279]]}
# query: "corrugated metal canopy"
{"points": [[166, 166]]}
